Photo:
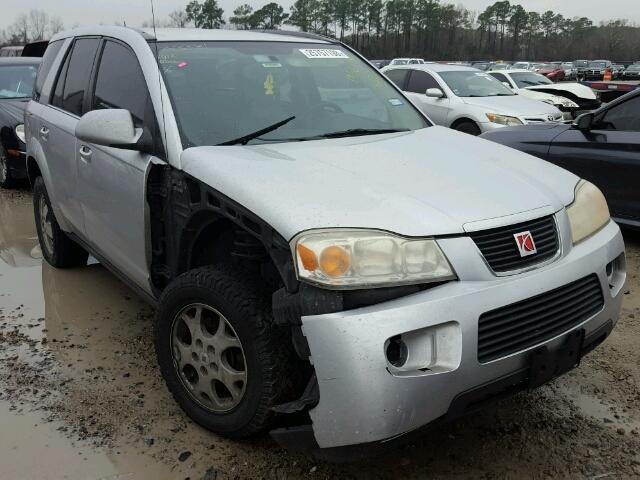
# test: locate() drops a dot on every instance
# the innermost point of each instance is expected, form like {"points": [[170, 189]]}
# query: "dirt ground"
{"points": [[81, 397]]}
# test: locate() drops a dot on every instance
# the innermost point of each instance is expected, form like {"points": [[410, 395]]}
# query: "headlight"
{"points": [[342, 259], [588, 213], [565, 102], [20, 132], [503, 119]]}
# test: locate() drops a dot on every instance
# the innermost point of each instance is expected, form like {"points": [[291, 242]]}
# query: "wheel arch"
{"points": [[193, 225], [466, 119]]}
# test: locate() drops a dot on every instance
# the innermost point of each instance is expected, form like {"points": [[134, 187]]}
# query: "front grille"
{"points": [[500, 250], [524, 324]]}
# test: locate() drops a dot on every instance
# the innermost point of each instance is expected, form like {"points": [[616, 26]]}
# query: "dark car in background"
{"points": [[380, 63], [597, 69], [17, 77], [632, 72], [602, 147]]}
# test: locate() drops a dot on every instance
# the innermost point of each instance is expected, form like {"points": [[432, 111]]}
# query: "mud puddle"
{"points": [[80, 395]]}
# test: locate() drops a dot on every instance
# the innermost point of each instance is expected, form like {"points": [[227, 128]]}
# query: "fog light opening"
{"points": [[397, 352]]}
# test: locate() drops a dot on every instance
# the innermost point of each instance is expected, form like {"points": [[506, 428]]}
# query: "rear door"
{"points": [[58, 124], [437, 109], [608, 155], [111, 181]]}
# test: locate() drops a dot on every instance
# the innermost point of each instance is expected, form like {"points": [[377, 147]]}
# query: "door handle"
{"points": [[85, 153], [44, 133]]}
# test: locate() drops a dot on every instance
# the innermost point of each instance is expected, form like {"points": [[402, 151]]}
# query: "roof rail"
{"points": [[293, 33]]}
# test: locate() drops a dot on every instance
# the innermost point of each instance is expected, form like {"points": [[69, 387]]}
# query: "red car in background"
{"points": [[553, 72]]}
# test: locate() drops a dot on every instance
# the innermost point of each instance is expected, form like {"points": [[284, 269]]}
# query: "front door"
{"points": [[111, 181], [437, 109]]}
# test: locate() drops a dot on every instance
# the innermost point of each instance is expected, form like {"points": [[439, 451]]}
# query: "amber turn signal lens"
{"points": [[334, 261], [308, 258]]}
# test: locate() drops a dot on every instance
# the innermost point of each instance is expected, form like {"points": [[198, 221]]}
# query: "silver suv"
{"points": [[319, 254]]}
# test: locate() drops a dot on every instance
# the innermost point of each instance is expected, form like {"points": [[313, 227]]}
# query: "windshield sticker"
{"points": [[396, 102], [269, 85], [323, 53]]}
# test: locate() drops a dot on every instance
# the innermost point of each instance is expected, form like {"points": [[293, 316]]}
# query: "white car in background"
{"points": [[467, 99], [570, 71], [407, 61], [571, 99]]}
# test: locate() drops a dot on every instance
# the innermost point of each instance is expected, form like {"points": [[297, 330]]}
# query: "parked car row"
{"points": [[17, 78], [322, 257], [467, 99]]}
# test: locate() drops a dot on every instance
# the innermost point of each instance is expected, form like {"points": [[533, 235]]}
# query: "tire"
{"points": [[468, 127], [57, 248], [267, 353], [6, 179]]}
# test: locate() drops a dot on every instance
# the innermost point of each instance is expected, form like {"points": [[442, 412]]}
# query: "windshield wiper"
{"points": [[247, 138], [356, 132]]}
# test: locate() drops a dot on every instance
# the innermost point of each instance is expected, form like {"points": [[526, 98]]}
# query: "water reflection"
{"points": [[18, 239]]}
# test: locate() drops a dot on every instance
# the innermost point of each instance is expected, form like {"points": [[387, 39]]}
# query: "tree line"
{"points": [[429, 29]]}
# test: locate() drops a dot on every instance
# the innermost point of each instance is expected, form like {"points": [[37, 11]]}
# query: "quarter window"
{"points": [[420, 82], [120, 82], [47, 62]]}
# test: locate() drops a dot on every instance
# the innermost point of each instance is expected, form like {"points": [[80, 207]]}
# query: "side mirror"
{"points": [[109, 128], [506, 84], [584, 122], [434, 93]]}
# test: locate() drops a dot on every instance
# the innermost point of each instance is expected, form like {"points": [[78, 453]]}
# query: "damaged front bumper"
{"points": [[364, 398]]}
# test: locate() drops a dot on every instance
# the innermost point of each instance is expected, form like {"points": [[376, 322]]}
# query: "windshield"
{"points": [[582, 63], [598, 64], [221, 91], [567, 65], [633, 67], [474, 84], [16, 81], [529, 79], [400, 62]]}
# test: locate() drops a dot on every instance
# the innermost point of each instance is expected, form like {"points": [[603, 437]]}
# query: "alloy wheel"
{"points": [[3, 168], [46, 225], [208, 357]]}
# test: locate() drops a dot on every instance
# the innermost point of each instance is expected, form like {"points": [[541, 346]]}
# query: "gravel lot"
{"points": [[81, 398]]}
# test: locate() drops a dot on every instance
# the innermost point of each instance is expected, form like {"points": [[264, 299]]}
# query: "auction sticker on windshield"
{"points": [[323, 53]]}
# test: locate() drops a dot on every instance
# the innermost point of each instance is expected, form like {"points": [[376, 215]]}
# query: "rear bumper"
{"points": [[363, 400]]}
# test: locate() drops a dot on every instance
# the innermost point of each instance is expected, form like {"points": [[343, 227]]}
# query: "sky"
{"points": [[134, 12]]}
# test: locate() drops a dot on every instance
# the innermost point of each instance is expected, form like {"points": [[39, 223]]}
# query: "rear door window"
{"points": [[74, 76], [420, 82], [120, 82], [398, 76]]}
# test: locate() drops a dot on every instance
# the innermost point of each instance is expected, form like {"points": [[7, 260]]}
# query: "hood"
{"points": [[426, 182], [516, 105], [14, 108], [580, 91]]}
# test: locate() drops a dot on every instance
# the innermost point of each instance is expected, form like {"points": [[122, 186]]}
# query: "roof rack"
{"points": [[293, 33]]}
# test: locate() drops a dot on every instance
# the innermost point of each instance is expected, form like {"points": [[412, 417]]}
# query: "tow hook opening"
{"points": [[397, 351], [426, 351]]}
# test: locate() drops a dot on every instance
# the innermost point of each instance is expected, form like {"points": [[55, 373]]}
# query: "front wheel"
{"points": [[468, 127], [223, 359], [6, 179]]}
